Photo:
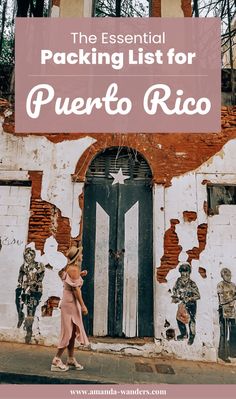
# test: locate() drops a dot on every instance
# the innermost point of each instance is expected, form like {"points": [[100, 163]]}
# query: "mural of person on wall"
{"points": [[186, 294], [29, 291], [226, 291]]}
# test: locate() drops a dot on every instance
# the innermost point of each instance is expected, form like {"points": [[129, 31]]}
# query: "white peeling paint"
{"points": [[130, 297], [186, 193], [187, 234], [51, 254], [57, 163], [158, 234], [76, 210], [14, 214], [101, 272]]}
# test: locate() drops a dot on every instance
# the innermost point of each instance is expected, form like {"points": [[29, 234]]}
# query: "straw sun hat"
{"points": [[73, 253]]}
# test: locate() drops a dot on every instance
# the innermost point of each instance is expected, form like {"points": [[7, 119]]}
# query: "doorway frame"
{"points": [[158, 203]]}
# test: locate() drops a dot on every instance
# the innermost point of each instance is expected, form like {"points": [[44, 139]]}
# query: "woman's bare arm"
{"points": [[78, 295], [74, 273]]}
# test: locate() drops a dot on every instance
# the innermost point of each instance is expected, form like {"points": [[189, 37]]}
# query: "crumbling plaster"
{"points": [[185, 192], [176, 190], [188, 193], [56, 161]]}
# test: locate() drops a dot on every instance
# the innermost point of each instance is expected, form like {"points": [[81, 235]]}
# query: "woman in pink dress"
{"points": [[72, 309]]}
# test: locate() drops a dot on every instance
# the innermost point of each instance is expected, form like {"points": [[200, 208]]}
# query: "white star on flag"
{"points": [[119, 177]]}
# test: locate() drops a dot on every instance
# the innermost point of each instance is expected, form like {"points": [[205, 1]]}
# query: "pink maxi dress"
{"points": [[71, 313]]}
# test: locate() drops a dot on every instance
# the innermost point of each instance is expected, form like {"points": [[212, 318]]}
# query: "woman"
{"points": [[72, 308]]}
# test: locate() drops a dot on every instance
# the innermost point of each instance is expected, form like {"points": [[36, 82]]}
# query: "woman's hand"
{"points": [[84, 273], [84, 310]]}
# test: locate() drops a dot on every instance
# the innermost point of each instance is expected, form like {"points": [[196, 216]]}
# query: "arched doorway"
{"points": [[118, 245]]}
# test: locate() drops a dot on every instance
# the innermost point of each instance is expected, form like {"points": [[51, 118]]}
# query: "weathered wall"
{"points": [[49, 208], [165, 152], [188, 193], [56, 167], [47, 216], [14, 216]]}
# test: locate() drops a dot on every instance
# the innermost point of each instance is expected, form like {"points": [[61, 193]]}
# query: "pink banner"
{"points": [[118, 75], [117, 391]]}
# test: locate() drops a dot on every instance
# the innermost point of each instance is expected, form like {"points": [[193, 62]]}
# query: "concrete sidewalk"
{"points": [[30, 364]]}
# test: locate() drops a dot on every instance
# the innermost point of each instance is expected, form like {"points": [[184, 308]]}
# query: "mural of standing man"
{"points": [[226, 291], [186, 293], [29, 291]]}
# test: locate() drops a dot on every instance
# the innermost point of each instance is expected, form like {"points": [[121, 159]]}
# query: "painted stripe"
{"points": [[101, 272], [130, 297]]}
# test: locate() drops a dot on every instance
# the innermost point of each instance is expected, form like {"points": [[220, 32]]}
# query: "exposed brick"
{"points": [[45, 219], [163, 162], [56, 3], [194, 253], [186, 7], [156, 8], [202, 272], [205, 181], [172, 249], [189, 216], [159, 149]]}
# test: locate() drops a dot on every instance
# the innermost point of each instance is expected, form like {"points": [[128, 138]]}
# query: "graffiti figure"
{"points": [[186, 293], [29, 291], [226, 291]]}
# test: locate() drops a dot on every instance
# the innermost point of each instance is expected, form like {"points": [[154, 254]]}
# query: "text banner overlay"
{"points": [[118, 75]]}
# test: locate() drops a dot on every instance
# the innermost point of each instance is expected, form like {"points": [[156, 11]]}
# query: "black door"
{"points": [[117, 240]]}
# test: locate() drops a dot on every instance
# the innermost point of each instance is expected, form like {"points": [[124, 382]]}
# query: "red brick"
{"points": [[45, 219]]}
